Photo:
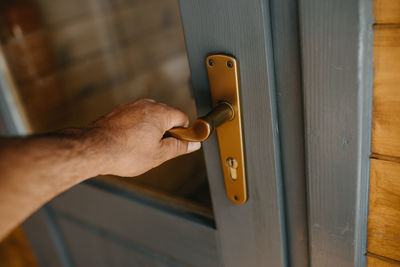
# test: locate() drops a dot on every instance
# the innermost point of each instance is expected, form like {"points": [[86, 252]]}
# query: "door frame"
{"points": [[336, 48]]}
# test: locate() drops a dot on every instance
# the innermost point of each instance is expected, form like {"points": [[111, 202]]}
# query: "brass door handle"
{"points": [[225, 118], [204, 126]]}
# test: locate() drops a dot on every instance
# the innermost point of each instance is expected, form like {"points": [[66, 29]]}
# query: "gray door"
{"points": [[287, 218]]}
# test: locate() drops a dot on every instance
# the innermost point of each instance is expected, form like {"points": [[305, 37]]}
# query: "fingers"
{"points": [[162, 115], [175, 118], [170, 117], [173, 147]]}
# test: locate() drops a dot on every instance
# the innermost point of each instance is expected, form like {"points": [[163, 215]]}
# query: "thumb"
{"points": [[173, 147]]}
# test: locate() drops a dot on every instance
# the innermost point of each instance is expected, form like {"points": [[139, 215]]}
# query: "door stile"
{"points": [[252, 234]]}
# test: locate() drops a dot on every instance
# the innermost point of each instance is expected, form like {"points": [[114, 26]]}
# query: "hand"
{"points": [[130, 138]]}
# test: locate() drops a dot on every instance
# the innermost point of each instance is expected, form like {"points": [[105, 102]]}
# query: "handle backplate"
{"points": [[224, 85]]}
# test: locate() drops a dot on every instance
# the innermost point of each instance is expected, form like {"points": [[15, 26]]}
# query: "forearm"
{"points": [[126, 142], [35, 169]]}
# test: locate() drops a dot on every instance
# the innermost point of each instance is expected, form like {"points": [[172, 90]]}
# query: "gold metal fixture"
{"points": [[203, 127], [223, 78], [226, 118]]}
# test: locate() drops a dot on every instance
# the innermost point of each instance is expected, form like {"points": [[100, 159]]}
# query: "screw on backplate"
{"points": [[211, 62], [229, 64], [236, 198]]}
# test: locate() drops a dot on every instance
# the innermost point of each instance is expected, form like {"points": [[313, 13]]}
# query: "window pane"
{"points": [[75, 60]]}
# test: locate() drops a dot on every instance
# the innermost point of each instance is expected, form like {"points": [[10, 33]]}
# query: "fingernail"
{"points": [[193, 146]]}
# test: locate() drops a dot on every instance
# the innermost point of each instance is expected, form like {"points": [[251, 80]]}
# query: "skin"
{"points": [[126, 142]]}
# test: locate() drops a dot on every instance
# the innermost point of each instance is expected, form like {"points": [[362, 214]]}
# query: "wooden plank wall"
{"points": [[384, 203]]}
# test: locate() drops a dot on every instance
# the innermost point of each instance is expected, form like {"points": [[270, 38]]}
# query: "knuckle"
{"points": [[160, 107], [178, 115], [142, 102], [149, 100], [145, 100]]}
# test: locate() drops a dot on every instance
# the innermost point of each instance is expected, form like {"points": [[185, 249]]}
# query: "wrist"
{"points": [[86, 150], [94, 151]]}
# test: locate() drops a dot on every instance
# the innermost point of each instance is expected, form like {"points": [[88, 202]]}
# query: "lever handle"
{"points": [[204, 126]]}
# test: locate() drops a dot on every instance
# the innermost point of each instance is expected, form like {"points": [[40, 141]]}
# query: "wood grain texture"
{"points": [[379, 261], [375, 262], [386, 110], [336, 39], [175, 235], [387, 11], [252, 234], [384, 209], [384, 216], [383, 157]]}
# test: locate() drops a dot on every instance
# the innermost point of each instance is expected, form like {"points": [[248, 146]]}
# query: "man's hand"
{"points": [[126, 142], [130, 138]]}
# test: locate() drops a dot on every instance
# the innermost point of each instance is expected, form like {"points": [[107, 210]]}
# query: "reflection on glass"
{"points": [[74, 60]]}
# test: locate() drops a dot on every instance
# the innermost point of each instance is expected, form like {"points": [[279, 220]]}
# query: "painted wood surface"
{"points": [[90, 246], [336, 39], [387, 11], [178, 236], [286, 47], [44, 236], [252, 234], [384, 209], [177, 202], [386, 109]]}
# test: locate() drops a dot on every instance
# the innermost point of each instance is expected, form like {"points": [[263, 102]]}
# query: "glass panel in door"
{"points": [[75, 60]]}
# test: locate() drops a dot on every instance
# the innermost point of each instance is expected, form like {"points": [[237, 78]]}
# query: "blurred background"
{"points": [[72, 61]]}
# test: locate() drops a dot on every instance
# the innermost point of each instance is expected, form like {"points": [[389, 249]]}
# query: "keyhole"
{"points": [[232, 167]]}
